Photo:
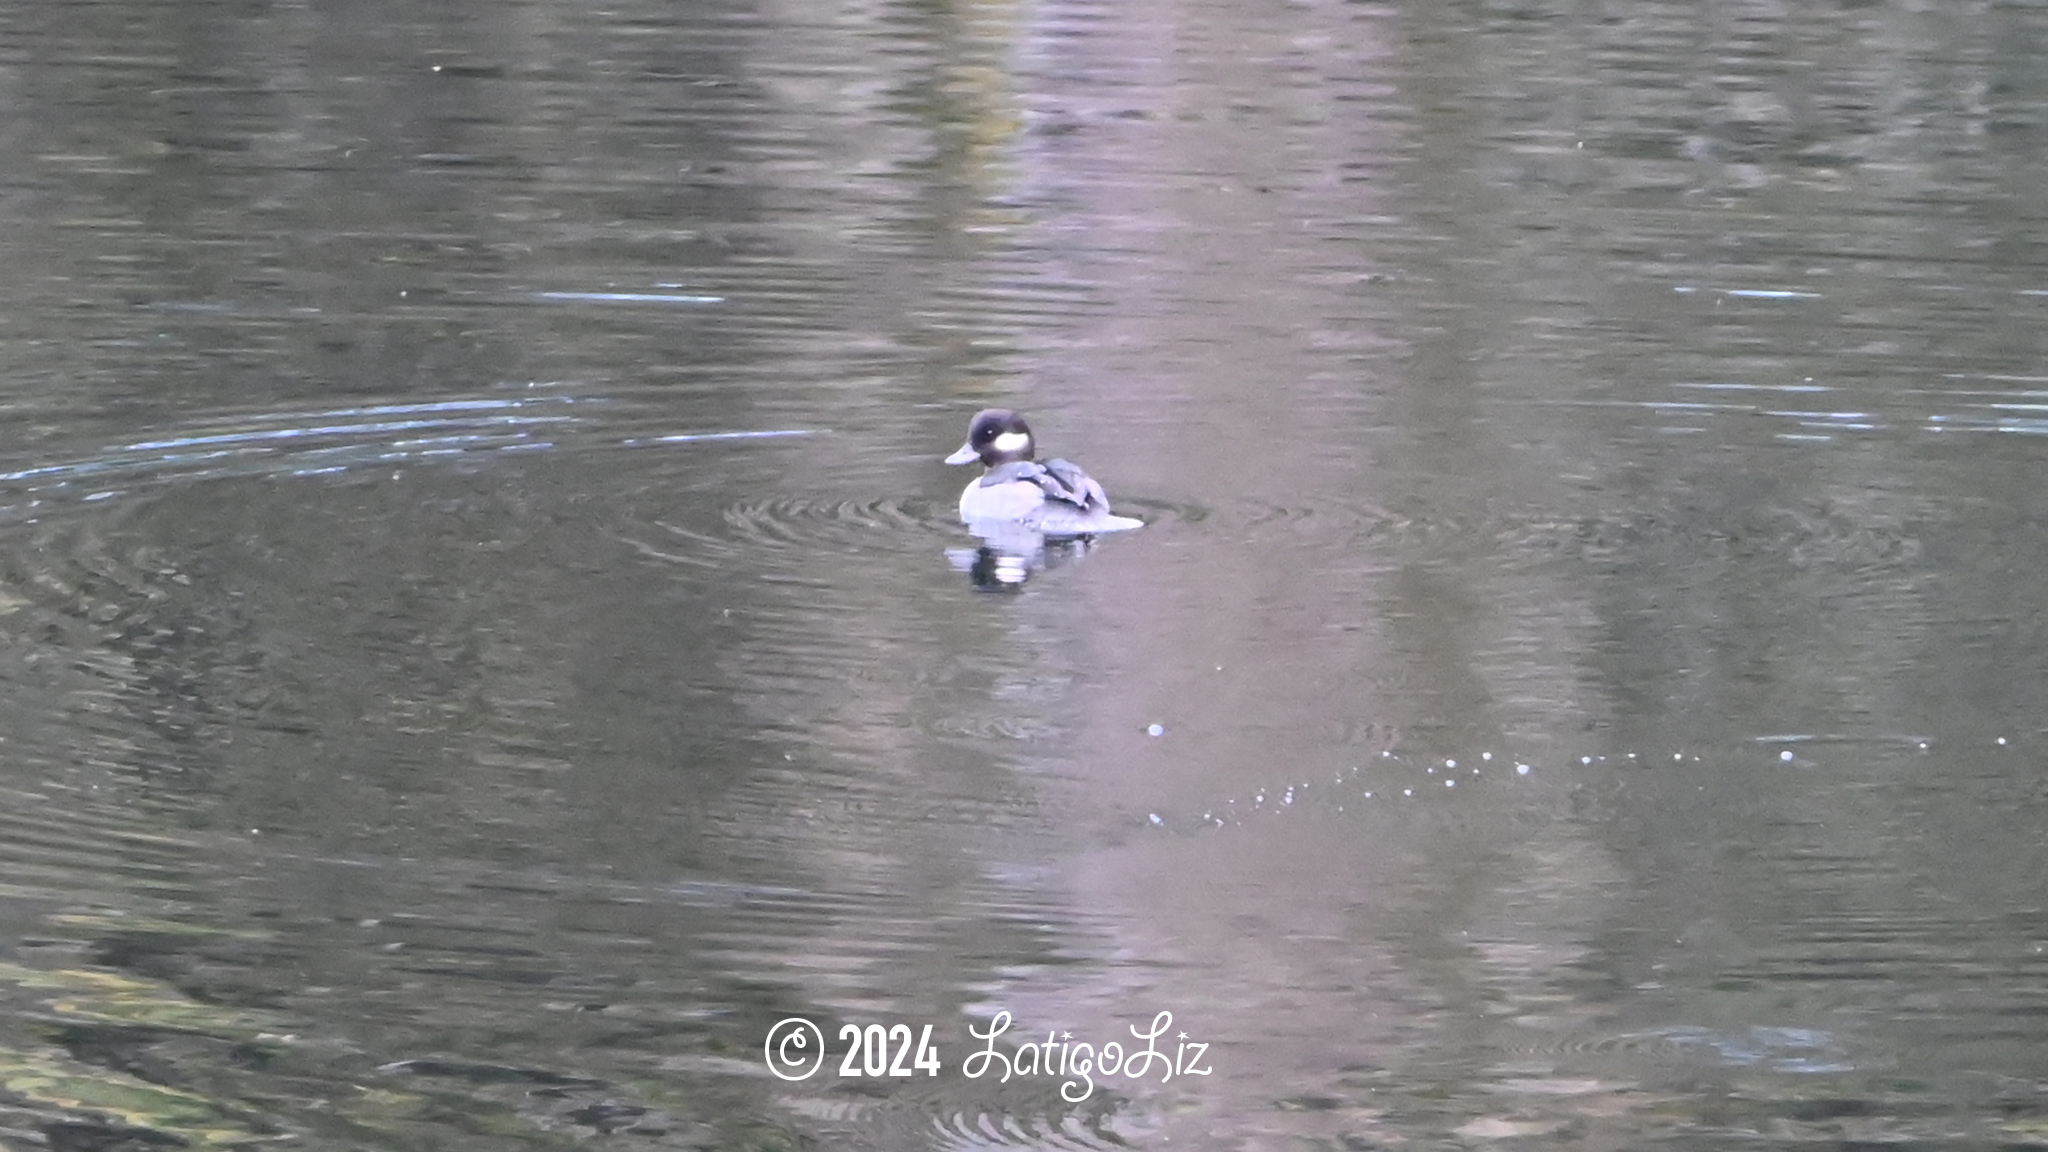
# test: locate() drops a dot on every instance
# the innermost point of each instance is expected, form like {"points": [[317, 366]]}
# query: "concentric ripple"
{"points": [[798, 521], [338, 440]]}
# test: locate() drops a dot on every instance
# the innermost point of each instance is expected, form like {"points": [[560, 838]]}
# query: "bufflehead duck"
{"points": [[1054, 498]]}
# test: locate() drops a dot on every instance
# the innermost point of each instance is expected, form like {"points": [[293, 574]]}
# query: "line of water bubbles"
{"points": [[1448, 772]]}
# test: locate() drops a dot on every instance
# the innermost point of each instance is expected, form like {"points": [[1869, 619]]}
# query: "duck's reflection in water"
{"points": [[1011, 553]]}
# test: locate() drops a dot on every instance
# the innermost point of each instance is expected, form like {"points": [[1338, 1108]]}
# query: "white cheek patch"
{"points": [[1012, 442]]}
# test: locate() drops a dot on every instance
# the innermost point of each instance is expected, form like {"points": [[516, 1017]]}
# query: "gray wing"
{"points": [[1067, 483], [1058, 479]]}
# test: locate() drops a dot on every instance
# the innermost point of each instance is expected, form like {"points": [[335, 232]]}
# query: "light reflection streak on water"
{"points": [[1995, 418], [229, 309], [1751, 293], [1731, 386], [1995, 403], [321, 430], [700, 437], [631, 297]]}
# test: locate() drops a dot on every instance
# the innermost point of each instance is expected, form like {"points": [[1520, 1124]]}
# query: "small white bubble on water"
{"points": [[1155, 730], [1786, 755], [1156, 819], [1521, 769], [1450, 783], [1450, 763], [1678, 755], [1585, 759], [1289, 798], [2001, 741], [1923, 745], [1486, 755], [1407, 791]]}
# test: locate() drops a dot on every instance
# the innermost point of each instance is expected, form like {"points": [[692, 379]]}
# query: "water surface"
{"points": [[481, 649]]}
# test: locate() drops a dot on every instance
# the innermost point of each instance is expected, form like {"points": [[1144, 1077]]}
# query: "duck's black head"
{"points": [[995, 436]]}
